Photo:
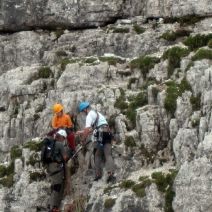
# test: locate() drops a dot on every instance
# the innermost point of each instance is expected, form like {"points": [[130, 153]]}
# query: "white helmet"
{"points": [[62, 133]]}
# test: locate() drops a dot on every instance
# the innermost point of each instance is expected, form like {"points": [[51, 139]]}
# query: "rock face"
{"points": [[51, 14], [114, 55], [24, 15]]}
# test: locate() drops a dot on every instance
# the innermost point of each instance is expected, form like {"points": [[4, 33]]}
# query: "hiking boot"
{"points": [[97, 177], [111, 178], [55, 209]]}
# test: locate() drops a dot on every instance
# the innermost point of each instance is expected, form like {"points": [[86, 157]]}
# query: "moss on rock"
{"points": [[33, 145], [197, 41], [109, 203], [174, 55]]}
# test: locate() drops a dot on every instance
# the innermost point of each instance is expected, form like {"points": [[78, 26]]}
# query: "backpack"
{"points": [[47, 151]]}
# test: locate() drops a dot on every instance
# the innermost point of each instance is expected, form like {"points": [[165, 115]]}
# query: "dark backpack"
{"points": [[47, 151]]}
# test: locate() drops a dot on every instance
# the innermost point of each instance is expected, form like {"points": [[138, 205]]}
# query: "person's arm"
{"points": [[84, 133], [63, 153], [69, 122], [54, 125]]}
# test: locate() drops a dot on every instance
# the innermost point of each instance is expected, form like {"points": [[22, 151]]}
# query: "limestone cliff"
{"points": [[145, 64]]}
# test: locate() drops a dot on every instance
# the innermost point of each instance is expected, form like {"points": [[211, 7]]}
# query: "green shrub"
{"points": [[36, 176], [138, 29], [7, 181], [142, 178], [173, 91], [121, 101], [111, 60], [109, 203], [58, 33], [139, 188], [203, 54], [195, 122], [210, 43], [147, 154], [139, 101], [130, 141], [3, 171], [160, 180], [131, 81], [164, 184], [126, 184], [191, 63], [63, 63], [108, 189], [169, 36], [196, 102], [173, 35], [174, 56], [144, 63], [61, 53], [197, 41], [44, 72], [33, 159], [33, 145], [15, 152], [184, 20], [90, 60], [120, 30]]}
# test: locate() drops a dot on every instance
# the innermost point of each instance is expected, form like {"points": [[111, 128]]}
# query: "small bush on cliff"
{"points": [[139, 101], [90, 60], [119, 30], [131, 81], [37, 176], [33, 145], [44, 72], [111, 60], [139, 188], [164, 184], [203, 54], [130, 141], [109, 203], [173, 91], [61, 53], [173, 35], [196, 102], [184, 20], [144, 63], [210, 43], [7, 181], [121, 101], [126, 184], [197, 41], [174, 55], [138, 29], [15, 152], [58, 33]]}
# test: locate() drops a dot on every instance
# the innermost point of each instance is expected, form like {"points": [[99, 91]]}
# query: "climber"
{"points": [[97, 124], [56, 170], [62, 120]]}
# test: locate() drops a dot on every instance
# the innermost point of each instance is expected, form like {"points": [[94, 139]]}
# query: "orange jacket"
{"points": [[63, 121]]}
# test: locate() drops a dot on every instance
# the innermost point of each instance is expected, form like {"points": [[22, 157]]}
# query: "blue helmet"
{"points": [[83, 106]]}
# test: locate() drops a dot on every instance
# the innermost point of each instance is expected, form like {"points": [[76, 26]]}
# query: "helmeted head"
{"points": [[83, 106], [62, 133], [57, 108]]}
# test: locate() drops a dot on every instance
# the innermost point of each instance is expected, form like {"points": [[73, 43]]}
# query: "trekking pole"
{"points": [[81, 147]]}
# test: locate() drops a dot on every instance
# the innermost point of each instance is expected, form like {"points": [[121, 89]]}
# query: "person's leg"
{"points": [[57, 184], [98, 163], [109, 163]]}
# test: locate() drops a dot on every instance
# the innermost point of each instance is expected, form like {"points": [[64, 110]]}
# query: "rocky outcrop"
{"points": [[51, 14], [159, 107]]}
